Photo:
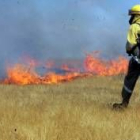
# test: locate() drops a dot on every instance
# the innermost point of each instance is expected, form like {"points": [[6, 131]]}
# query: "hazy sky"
{"points": [[62, 29]]}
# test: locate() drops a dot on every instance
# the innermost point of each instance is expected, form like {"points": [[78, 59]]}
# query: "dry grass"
{"points": [[78, 110]]}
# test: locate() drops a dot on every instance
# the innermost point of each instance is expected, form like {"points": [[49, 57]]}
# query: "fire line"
{"points": [[22, 74]]}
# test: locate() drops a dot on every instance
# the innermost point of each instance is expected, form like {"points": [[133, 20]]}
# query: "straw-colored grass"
{"points": [[78, 110]]}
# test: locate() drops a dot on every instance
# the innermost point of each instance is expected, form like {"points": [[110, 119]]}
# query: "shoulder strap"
{"points": [[137, 23]]}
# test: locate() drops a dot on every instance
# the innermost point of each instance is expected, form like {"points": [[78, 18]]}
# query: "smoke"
{"points": [[53, 29]]}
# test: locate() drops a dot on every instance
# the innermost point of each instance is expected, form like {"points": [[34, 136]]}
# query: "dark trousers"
{"points": [[130, 80]]}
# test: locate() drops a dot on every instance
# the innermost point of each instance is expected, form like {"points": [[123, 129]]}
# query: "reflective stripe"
{"points": [[136, 59], [127, 89]]}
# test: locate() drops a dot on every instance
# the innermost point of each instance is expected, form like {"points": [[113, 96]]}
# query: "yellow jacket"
{"points": [[134, 29], [132, 36]]}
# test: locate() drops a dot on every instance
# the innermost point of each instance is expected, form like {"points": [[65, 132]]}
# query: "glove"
{"points": [[129, 52], [130, 48]]}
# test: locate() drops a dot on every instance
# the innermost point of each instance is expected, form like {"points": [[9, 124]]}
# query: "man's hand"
{"points": [[129, 52], [130, 48]]}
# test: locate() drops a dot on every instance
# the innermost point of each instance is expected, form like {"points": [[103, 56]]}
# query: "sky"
{"points": [[47, 29]]}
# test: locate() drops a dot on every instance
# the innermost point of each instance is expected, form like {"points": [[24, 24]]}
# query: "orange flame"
{"points": [[105, 68], [22, 74]]}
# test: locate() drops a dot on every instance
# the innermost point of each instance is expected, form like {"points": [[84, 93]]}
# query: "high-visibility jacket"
{"points": [[132, 36]]}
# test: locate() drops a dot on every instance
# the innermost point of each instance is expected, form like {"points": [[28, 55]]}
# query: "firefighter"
{"points": [[133, 50]]}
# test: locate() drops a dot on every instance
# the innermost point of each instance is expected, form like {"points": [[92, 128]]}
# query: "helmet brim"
{"points": [[130, 12]]}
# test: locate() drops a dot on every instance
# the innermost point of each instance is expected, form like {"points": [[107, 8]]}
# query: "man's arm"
{"points": [[131, 39], [130, 48]]}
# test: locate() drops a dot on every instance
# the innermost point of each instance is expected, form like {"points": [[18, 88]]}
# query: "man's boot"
{"points": [[126, 97], [120, 106]]}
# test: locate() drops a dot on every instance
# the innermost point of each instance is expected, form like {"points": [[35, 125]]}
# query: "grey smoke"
{"points": [[67, 31]]}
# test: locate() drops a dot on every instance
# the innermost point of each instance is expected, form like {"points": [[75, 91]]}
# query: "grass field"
{"points": [[77, 110]]}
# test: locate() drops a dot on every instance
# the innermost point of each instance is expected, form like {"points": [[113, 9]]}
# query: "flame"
{"points": [[21, 74], [24, 74], [105, 68], [65, 67]]}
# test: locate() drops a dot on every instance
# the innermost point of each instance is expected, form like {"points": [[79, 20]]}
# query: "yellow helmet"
{"points": [[135, 10]]}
